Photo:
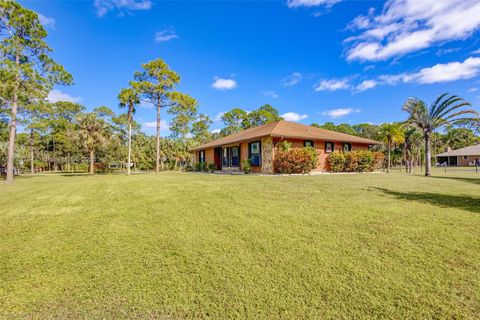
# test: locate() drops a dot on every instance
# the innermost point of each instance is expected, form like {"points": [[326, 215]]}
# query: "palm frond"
{"points": [[444, 105], [437, 101]]}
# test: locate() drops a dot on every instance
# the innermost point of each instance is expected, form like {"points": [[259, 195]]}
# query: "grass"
{"points": [[180, 245]]}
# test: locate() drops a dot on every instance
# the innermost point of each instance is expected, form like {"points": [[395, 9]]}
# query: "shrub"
{"points": [[285, 145], [355, 161], [200, 166], [246, 166], [336, 161], [189, 168], [212, 167], [295, 160]]}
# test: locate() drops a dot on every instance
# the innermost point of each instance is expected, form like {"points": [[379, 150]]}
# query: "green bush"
{"points": [[246, 166], [355, 161], [285, 145], [200, 166], [212, 167], [295, 160], [336, 161]]}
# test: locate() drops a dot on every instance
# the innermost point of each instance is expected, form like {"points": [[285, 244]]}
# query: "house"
{"points": [[259, 145], [468, 156]]}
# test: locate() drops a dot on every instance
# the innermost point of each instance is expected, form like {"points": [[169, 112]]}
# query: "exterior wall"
{"points": [[270, 145], [466, 162], [319, 146]]}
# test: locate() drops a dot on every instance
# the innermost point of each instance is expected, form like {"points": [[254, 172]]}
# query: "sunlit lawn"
{"points": [[182, 245]]}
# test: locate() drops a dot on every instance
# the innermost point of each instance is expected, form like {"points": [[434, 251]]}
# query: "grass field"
{"points": [[181, 245]]}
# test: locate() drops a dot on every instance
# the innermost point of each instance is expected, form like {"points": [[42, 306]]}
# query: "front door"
{"points": [[217, 155], [452, 161]]}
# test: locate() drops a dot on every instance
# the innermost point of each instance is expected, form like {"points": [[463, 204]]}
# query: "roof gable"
{"points": [[467, 151]]}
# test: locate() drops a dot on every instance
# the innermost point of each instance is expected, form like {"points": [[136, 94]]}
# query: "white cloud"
{"points": [[224, 84], [442, 72], [47, 22], [476, 51], [216, 131], [270, 93], [149, 125], [332, 85], [310, 3], [365, 85], [406, 26], [473, 90], [293, 116], [166, 35], [104, 6], [292, 79], [57, 95], [218, 117], [339, 112]]}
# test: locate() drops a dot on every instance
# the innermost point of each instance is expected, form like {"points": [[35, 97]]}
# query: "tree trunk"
{"points": [[32, 166], [13, 126], [428, 164], [129, 146], [388, 157], [157, 162], [92, 158]]}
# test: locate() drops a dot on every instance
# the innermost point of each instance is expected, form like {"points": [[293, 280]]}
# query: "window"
{"points": [[347, 147], [329, 147], [235, 152], [465, 157], [225, 158], [254, 153], [308, 143], [201, 156]]}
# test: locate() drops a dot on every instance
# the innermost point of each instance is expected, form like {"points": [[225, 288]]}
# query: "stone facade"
{"points": [[267, 155]]}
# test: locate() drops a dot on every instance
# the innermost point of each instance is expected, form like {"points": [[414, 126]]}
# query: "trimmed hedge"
{"points": [[295, 160], [355, 161]]}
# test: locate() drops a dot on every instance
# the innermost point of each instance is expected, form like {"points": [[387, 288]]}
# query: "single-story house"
{"points": [[463, 157], [259, 144]]}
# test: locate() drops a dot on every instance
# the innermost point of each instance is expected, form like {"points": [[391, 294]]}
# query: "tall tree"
{"points": [[412, 142], [156, 83], [27, 71], [129, 98], [445, 110], [263, 115], [184, 111], [233, 121], [391, 133], [201, 129], [93, 133]]}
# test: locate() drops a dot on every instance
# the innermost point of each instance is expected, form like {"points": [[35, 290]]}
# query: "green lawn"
{"points": [[182, 245]]}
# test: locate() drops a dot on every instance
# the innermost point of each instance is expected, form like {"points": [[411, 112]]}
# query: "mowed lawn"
{"points": [[183, 245]]}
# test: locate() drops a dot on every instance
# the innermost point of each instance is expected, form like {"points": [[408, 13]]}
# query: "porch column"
{"points": [[267, 155]]}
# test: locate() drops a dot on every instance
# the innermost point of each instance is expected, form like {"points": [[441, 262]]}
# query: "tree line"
{"points": [[64, 136]]}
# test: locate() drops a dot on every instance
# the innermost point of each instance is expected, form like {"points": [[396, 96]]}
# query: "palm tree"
{"points": [[92, 133], [445, 110], [129, 98], [411, 144], [390, 133]]}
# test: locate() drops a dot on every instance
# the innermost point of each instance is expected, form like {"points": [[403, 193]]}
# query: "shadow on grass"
{"points": [[463, 202], [468, 180]]}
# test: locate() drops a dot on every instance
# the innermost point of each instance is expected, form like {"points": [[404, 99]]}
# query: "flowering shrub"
{"points": [[355, 161], [336, 161], [295, 160]]}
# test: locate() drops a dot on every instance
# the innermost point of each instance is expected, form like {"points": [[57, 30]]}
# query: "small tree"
{"points": [[445, 110], [92, 134], [390, 133], [129, 98]]}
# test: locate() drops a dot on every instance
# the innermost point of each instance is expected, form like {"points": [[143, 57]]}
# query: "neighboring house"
{"points": [[259, 144], [468, 156]]}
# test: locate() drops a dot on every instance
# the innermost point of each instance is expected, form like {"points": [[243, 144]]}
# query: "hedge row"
{"points": [[355, 161], [295, 160]]}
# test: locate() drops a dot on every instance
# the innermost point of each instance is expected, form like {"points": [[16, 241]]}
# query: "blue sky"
{"points": [[314, 60]]}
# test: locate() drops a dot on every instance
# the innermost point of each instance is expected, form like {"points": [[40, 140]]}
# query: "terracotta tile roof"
{"points": [[467, 151], [285, 129]]}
